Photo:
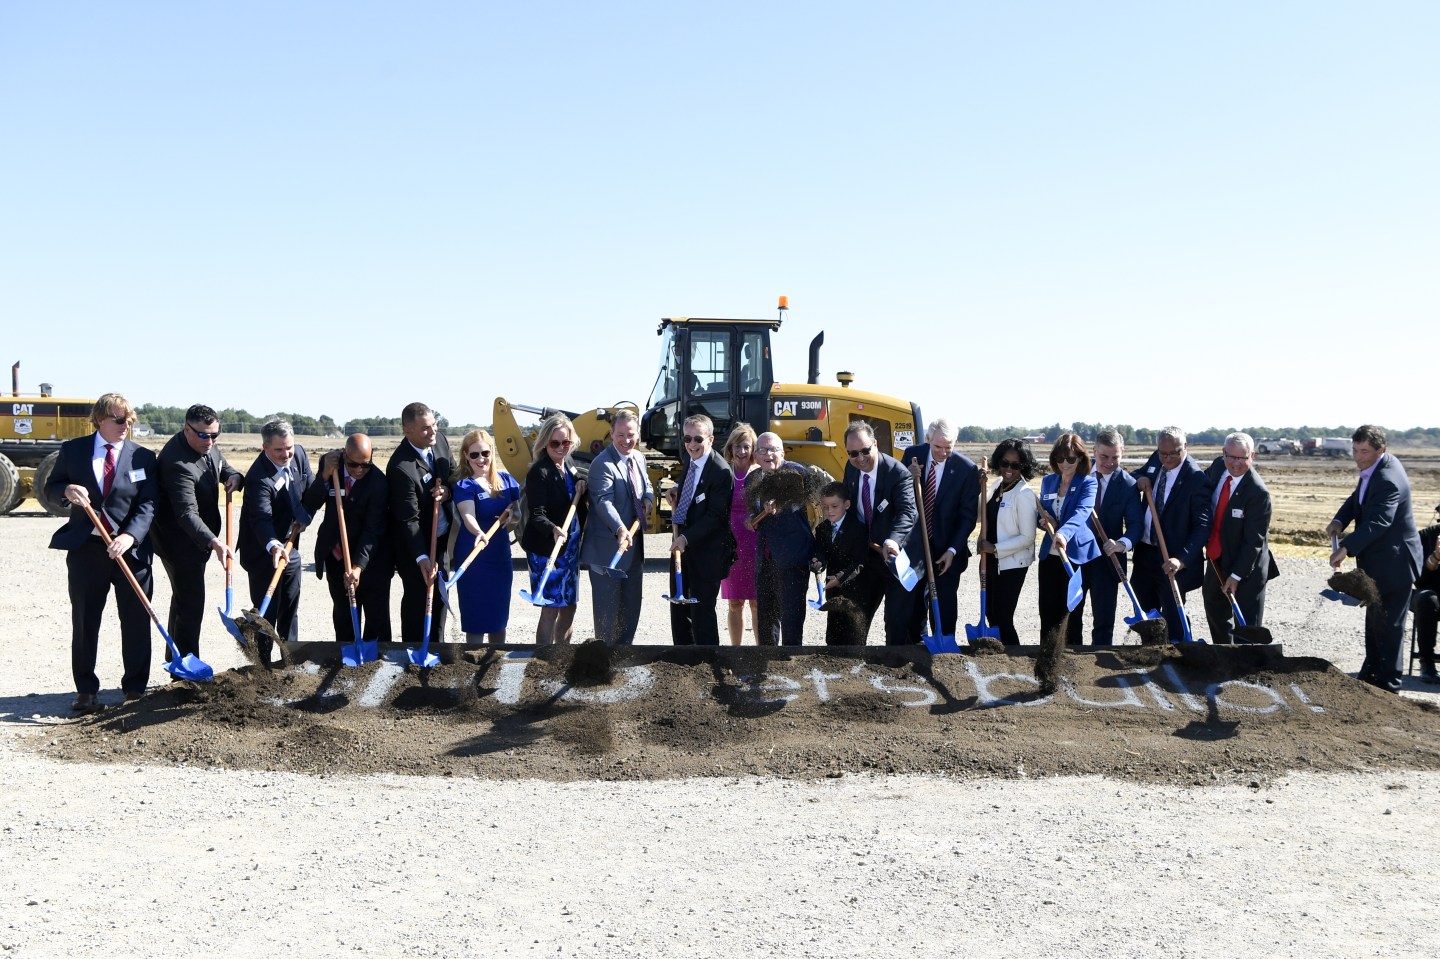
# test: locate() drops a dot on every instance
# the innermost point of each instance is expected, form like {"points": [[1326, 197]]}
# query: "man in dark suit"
{"points": [[187, 519], [950, 497], [1181, 494], [1122, 518], [882, 495], [366, 506], [118, 478], [784, 544], [1239, 545], [1426, 602], [417, 477], [701, 532], [276, 486], [1385, 545], [619, 492]]}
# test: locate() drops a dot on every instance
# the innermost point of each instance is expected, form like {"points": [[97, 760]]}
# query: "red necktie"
{"points": [[930, 494], [865, 499], [1212, 548], [109, 473]]}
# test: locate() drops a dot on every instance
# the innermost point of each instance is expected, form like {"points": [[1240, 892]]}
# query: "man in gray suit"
{"points": [[1385, 545], [620, 493]]}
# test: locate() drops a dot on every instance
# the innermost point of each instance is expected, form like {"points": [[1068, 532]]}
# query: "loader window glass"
{"points": [[710, 361], [667, 381], [751, 363]]}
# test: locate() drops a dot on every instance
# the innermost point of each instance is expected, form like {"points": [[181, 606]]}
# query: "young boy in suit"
{"points": [[841, 549]]}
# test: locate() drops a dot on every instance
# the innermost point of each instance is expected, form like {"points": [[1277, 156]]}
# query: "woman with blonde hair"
{"points": [[739, 587], [550, 486], [483, 494]]}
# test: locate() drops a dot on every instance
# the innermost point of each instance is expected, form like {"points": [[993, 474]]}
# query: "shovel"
{"points": [[1254, 635], [1075, 586], [422, 657], [359, 652], [225, 613], [1140, 614], [1165, 558], [448, 583], [612, 568], [256, 618], [538, 597], [819, 601], [679, 596], [981, 629], [935, 639], [187, 666]]}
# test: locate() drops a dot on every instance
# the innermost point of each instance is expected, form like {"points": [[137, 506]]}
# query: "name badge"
{"points": [[137, 476], [425, 478], [1049, 495], [1149, 469], [1237, 513], [339, 491], [700, 498], [881, 508]]}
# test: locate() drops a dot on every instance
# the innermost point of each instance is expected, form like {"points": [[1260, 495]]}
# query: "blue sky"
{"points": [[1215, 214]]}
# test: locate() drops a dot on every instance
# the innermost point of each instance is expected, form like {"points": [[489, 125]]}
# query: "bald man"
{"points": [[366, 499]]}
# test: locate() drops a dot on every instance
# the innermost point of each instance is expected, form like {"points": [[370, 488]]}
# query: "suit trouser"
{"points": [[780, 602], [694, 624], [372, 599], [1054, 587], [897, 600], [187, 599], [412, 603], [1152, 588], [284, 610], [1249, 596], [1002, 596], [90, 575], [949, 588], [1426, 607], [1102, 588], [1385, 640], [616, 602]]}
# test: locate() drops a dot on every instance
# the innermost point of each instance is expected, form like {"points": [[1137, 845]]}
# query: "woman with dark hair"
{"points": [[484, 493], [550, 486], [1011, 515], [1067, 498]]}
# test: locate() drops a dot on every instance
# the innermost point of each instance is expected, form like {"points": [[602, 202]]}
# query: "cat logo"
{"points": [[23, 427], [22, 409], [800, 408]]}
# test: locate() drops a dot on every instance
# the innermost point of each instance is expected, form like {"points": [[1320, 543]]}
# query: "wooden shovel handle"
{"points": [[339, 484], [124, 566], [565, 527]]}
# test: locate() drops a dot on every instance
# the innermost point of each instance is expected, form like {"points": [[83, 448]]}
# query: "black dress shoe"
{"points": [[1428, 674], [84, 703], [133, 697]]}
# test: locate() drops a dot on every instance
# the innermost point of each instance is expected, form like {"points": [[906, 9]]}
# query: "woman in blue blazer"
{"points": [[1067, 498]]}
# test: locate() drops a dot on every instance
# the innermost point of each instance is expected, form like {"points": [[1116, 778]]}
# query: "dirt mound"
{"points": [[1150, 713]]}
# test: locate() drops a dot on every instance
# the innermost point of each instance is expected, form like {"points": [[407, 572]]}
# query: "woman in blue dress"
{"points": [[486, 493], [550, 486]]}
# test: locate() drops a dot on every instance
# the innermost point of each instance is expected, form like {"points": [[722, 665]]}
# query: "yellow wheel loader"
{"points": [[32, 427]]}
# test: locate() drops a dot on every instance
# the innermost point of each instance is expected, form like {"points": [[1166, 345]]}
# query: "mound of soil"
{"points": [[1149, 713]]}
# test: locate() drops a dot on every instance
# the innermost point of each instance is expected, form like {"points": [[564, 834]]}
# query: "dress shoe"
{"points": [[132, 697], [84, 703], [1428, 674]]}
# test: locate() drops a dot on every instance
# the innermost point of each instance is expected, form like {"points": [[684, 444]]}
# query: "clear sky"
{"points": [[1211, 214]]}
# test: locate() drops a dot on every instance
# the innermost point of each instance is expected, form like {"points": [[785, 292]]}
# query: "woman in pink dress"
{"points": [[739, 586]]}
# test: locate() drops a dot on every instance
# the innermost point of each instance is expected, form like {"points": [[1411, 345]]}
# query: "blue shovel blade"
{"points": [[1132, 620], [231, 626], [423, 659], [1075, 589], [942, 644], [190, 667]]}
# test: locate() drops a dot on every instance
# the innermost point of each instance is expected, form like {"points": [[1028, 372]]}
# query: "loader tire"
{"points": [[9, 485], [59, 507]]}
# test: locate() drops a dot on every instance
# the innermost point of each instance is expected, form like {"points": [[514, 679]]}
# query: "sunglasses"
{"points": [[199, 434], [1067, 459], [482, 454], [695, 439], [1009, 464], [125, 421], [856, 454], [561, 444], [358, 466]]}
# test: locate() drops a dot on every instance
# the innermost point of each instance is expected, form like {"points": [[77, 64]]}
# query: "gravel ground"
{"points": [[122, 859]]}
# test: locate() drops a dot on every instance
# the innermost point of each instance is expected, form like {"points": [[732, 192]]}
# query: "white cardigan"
{"points": [[1014, 534]]}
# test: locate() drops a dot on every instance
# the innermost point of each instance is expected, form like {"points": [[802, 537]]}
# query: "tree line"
{"points": [[170, 419]]}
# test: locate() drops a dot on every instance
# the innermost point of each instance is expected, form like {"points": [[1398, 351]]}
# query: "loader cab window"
{"points": [[710, 359], [667, 382]]}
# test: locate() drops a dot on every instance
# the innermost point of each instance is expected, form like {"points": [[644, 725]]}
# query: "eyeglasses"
{"points": [[561, 444], [1171, 454], [696, 439], [349, 465], [1009, 464], [856, 454], [770, 450], [122, 420], [483, 454], [1067, 459], [199, 434]]}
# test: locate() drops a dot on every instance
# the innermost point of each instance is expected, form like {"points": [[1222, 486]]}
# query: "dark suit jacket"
{"points": [[709, 541], [1122, 512], [844, 558], [367, 507], [130, 507], [1185, 520], [547, 500], [893, 500], [411, 502], [956, 507], [1384, 541], [1244, 526], [187, 515], [785, 537], [269, 510]]}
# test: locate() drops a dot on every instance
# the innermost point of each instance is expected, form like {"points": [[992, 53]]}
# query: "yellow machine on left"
{"points": [[32, 427]]}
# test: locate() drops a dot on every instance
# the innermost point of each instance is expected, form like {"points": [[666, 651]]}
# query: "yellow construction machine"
{"points": [[722, 368], [32, 427]]}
